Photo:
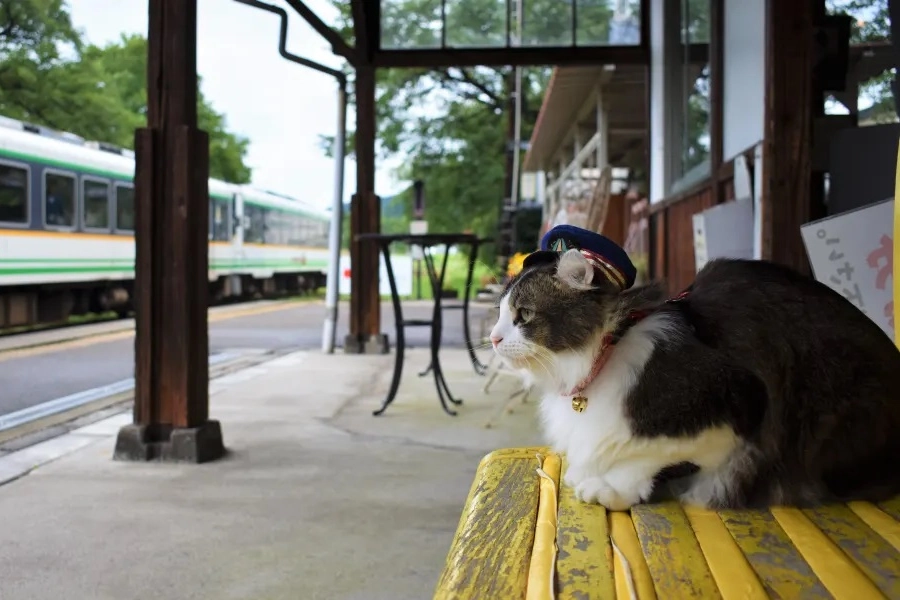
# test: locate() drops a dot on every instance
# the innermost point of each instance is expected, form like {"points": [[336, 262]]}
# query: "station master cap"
{"points": [[607, 257]]}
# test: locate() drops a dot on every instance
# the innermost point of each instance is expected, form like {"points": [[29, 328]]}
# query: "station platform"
{"points": [[316, 499]]}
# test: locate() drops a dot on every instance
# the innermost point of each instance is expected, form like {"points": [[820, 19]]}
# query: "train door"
{"points": [[237, 226], [237, 243]]}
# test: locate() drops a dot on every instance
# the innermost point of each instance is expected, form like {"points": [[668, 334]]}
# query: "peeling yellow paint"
{"points": [[524, 536]]}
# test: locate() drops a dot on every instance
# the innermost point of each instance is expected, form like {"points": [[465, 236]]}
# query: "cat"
{"points": [[757, 386]]}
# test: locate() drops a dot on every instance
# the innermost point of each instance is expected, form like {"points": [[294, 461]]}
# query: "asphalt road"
{"points": [[53, 373]]}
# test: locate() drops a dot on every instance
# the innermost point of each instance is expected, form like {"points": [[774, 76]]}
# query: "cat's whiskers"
{"points": [[546, 360], [543, 362]]}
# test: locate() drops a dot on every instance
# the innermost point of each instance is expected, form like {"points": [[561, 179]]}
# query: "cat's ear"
{"points": [[575, 271]]}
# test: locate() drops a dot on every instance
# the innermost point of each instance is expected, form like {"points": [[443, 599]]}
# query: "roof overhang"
{"points": [[570, 109]]}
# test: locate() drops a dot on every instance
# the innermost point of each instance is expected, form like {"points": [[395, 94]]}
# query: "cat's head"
{"points": [[560, 305]]}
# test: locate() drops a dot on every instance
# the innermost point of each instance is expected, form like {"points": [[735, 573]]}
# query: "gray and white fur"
{"points": [[760, 387]]}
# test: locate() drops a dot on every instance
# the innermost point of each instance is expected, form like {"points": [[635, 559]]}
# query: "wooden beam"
{"points": [[716, 92], [788, 133], [338, 45], [517, 56], [365, 217], [171, 406], [366, 29]]}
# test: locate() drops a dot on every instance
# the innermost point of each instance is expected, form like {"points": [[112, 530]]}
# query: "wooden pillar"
{"points": [[788, 136], [716, 95], [365, 217], [171, 223]]}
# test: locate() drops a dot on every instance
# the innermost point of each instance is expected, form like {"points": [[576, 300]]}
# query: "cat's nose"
{"points": [[496, 339]]}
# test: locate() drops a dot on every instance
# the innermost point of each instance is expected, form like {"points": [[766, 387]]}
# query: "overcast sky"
{"points": [[280, 106]]}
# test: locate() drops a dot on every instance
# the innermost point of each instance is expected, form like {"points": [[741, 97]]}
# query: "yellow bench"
{"points": [[524, 535]]}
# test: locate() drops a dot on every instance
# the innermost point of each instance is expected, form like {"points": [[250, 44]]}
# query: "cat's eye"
{"points": [[524, 315]]}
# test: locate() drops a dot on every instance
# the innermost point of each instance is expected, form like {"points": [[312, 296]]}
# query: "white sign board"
{"points": [[418, 227], [723, 231], [403, 275], [853, 254]]}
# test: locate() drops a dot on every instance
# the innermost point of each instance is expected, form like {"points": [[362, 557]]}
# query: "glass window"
{"points": [[405, 28], [870, 23], [219, 219], [270, 231], [475, 23], [692, 96], [13, 194], [608, 22], [124, 208], [498, 24], [59, 200], [255, 232], [96, 204]]}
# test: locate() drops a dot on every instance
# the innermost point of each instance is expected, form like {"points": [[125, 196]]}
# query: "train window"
{"points": [[96, 203], [297, 230], [124, 208], [59, 200], [219, 219], [255, 232], [13, 194]]}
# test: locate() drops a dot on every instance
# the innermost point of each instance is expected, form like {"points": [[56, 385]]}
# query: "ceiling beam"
{"points": [[367, 28], [518, 56], [338, 45]]}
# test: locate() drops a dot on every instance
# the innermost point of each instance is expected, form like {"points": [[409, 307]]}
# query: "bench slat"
{"points": [[878, 520], [519, 529], [841, 576], [673, 554], [773, 557], [891, 507], [869, 551], [733, 574], [490, 555], [585, 554], [638, 573]]}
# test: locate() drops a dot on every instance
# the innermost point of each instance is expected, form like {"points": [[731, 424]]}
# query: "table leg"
{"points": [[436, 365], [439, 381], [401, 339], [476, 364]]}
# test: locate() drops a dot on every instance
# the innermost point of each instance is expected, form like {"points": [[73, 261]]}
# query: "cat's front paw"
{"points": [[596, 490], [573, 476]]}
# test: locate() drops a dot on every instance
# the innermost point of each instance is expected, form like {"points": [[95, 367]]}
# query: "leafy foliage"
{"points": [[451, 124], [871, 23], [50, 77]]}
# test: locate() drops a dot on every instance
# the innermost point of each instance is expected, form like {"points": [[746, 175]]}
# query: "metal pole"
{"points": [[418, 279], [337, 218]]}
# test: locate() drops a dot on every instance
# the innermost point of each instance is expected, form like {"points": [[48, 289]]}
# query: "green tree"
{"points": [[871, 23], [122, 67], [451, 124], [49, 77]]}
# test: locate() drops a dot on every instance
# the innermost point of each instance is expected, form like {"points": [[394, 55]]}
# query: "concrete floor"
{"points": [[99, 360], [318, 499]]}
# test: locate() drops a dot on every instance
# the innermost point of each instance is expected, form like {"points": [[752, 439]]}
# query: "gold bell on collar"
{"points": [[579, 403]]}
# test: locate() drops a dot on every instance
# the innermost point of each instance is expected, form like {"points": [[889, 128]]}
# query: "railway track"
{"points": [[39, 422]]}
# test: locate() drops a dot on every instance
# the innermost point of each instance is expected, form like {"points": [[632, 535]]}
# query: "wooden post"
{"points": [[171, 223], [787, 149], [365, 217]]}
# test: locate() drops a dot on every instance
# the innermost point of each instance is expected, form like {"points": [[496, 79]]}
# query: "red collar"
{"points": [[609, 343], [606, 350]]}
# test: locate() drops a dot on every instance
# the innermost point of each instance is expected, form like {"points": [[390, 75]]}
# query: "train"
{"points": [[67, 232]]}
